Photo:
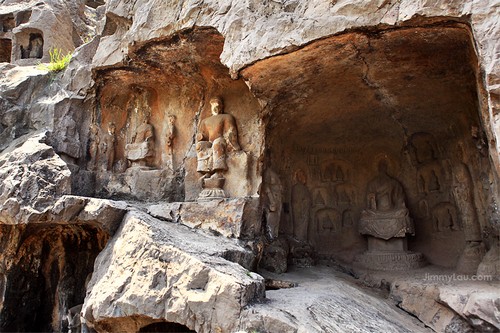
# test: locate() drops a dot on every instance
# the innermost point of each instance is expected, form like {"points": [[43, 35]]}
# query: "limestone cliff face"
{"points": [[321, 87]]}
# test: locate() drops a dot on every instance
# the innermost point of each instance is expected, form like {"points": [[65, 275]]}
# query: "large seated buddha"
{"points": [[386, 216], [386, 222]]}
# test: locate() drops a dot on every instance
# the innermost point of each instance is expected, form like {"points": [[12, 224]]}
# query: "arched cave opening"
{"points": [[165, 327], [46, 275], [337, 106], [5, 49]]}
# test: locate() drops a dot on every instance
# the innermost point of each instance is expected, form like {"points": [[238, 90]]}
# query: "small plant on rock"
{"points": [[58, 61]]}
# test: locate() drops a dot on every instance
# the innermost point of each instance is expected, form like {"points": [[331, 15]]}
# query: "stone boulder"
{"points": [[31, 177], [459, 306], [155, 271]]}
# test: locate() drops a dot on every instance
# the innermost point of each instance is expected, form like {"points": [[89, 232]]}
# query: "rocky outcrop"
{"points": [[230, 218], [154, 271], [32, 177], [460, 306]]}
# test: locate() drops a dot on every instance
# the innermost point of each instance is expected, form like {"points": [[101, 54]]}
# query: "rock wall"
{"points": [[317, 92], [300, 23]]}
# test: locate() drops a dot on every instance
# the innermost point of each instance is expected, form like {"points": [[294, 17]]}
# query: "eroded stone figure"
{"points": [[142, 146], [301, 206], [216, 137], [464, 197], [93, 146], [107, 148], [273, 198], [386, 215], [36, 47], [171, 131], [169, 140], [70, 145]]}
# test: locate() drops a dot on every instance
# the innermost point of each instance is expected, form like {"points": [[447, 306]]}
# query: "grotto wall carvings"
{"points": [[165, 140], [337, 141]]}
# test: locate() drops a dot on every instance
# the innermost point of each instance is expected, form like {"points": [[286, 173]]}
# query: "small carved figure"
{"points": [[273, 194], [93, 146], [301, 206], [328, 220], [464, 198], [107, 148], [36, 46], [444, 216], [386, 216], [142, 145], [171, 133], [429, 177]]}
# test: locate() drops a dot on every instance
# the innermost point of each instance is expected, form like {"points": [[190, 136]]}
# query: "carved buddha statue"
{"points": [[142, 145], [217, 135], [386, 216]]}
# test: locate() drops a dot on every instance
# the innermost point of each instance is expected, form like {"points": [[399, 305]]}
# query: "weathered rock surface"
{"points": [[153, 270], [325, 301], [31, 176], [460, 306], [227, 217], [19, 87], [159, 271], [490, 266]]}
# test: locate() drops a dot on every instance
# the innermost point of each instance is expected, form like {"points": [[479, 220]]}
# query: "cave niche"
{"points": [[408, 95], [7, 23], [30, 43], [5, 50], [23, 17], [165, 90], [44, 272]]}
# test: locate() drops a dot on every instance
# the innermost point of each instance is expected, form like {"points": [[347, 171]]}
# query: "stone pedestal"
{"points": [[137, 153], [389, 255], [212, 189]]}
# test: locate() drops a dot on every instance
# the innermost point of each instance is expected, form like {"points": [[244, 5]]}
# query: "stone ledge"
{"points": [[226, 217]]}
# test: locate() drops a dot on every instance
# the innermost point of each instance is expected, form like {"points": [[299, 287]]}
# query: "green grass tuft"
{"points": [[58, 61]]}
